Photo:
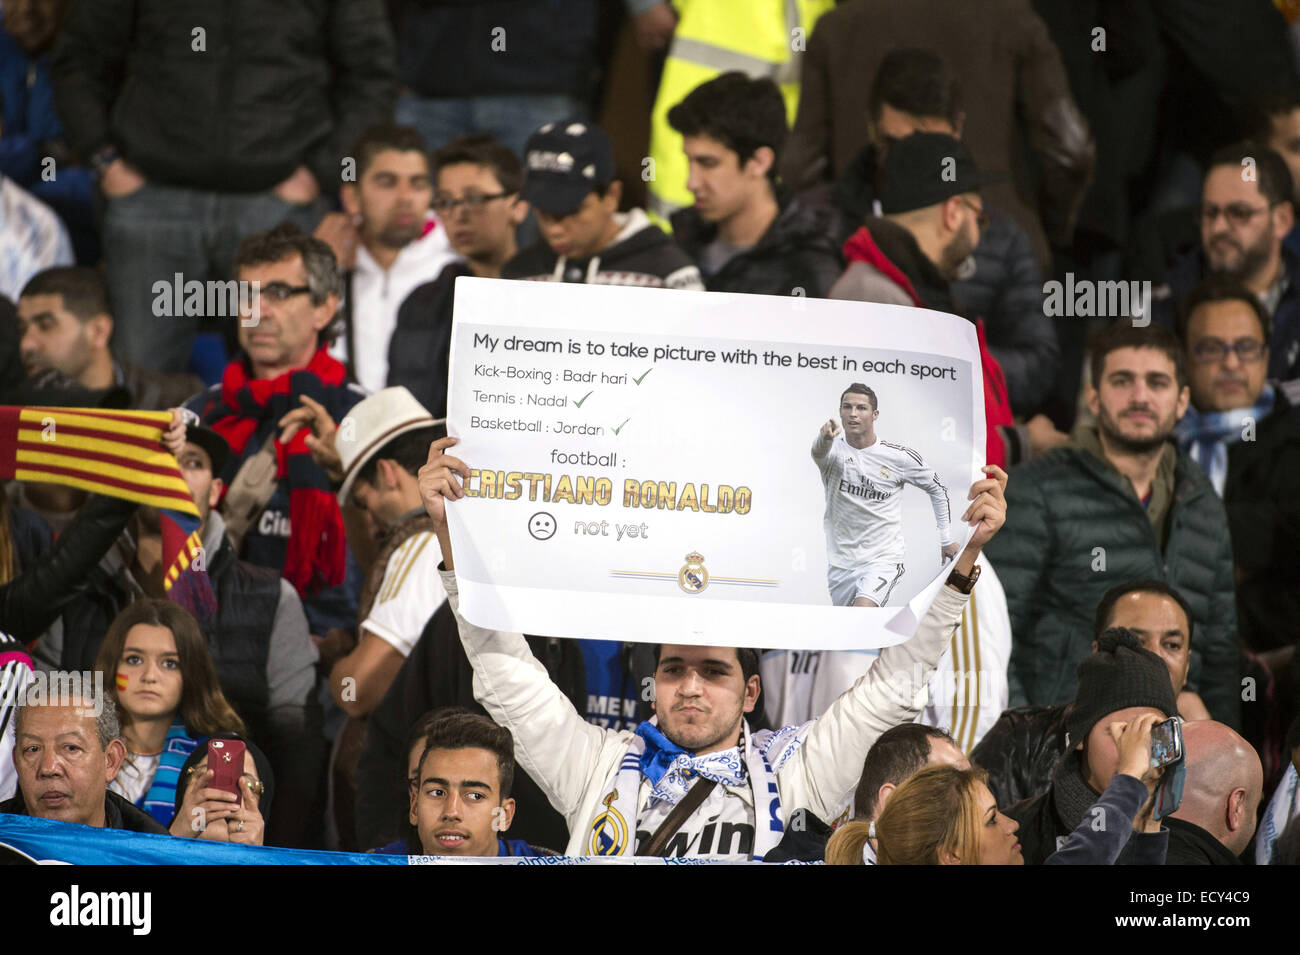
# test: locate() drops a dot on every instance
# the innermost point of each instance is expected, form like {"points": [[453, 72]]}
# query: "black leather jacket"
{"points": [[32, 601], [1020, 752]]}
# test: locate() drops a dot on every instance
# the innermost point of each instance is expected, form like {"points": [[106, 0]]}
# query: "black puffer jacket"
{"points": [[1021, 750], [1074, 530], [1006, 289], [276, 84], [798, 251]]}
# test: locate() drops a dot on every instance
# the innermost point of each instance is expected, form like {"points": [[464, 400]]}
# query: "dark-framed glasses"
{"points": [[282, 291], [1216, 349], [474, 202], [1237, 213]]}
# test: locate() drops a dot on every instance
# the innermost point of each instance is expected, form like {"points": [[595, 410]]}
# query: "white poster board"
{"points": [[642, 465]]}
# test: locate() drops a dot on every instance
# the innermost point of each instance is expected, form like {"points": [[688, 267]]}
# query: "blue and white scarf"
{"points": [[1205, 436], [1273, 821], [671, 771], [160, 800]]}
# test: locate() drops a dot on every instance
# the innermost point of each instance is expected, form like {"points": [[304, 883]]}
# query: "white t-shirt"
{"points": [[378, 294], [864, 490], [135, 775], [410, 594]]}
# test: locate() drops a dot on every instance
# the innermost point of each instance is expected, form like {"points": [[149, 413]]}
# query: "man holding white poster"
{"points": [[864, 477], [695, 781]]}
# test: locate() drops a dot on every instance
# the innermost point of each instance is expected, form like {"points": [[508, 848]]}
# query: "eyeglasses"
{"points": [[1237, 213], [474, 202], [981, 217], [1248, 350], [280, 291]]}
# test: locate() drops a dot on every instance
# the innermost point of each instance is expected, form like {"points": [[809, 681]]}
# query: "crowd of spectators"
{"points": [[1106, 191]]}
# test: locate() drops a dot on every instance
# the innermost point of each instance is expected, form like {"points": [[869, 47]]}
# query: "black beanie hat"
{"points": [[1121, 674]]}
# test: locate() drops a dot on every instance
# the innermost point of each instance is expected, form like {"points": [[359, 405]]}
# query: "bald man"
{"points": [[1220, 806]]}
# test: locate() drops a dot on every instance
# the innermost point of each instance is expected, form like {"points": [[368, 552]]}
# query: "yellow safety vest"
{"points": [[761, 38]]}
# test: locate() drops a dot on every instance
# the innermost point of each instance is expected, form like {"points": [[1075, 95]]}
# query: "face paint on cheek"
{"points": [[121, 682]]}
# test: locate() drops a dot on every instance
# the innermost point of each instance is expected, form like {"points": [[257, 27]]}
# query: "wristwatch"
{"points": [[963, 583], [102, 158]]}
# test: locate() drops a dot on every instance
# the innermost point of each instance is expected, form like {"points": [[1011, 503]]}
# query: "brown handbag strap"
{"points": [[249, 492], [681, 812]]}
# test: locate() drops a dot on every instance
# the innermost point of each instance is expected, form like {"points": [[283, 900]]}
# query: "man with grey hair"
{"points": [[66, 756], [1220, 807], [283, 365]]}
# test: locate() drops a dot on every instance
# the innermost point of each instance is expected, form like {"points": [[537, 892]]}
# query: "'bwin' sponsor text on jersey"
{"points": [[864, 487]]}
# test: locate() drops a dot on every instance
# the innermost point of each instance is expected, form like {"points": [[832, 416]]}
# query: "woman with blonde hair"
{"points": [[947, 816], [157, 668]]}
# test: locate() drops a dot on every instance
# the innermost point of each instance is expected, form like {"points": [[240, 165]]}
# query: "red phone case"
{"points": [[226, 760]]}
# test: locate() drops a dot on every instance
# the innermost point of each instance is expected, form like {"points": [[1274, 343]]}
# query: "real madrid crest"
{"points": [[884, 472], [609, 830], [693, 578]]}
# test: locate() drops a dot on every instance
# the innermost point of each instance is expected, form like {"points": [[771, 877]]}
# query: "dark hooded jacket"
{"points": [[798, 251], [641, 254]]}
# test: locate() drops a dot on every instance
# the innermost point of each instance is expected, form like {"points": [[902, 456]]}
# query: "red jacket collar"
{"points": [[860, 247]]}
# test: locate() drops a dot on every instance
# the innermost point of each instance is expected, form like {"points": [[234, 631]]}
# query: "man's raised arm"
{"points": [[826, 768], [557, 747]]}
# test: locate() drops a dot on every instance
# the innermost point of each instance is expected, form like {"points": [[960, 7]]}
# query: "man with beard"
{"points": [[910, 255], [64, 327], [1246, 213], [387, 241], [1118, 502]]}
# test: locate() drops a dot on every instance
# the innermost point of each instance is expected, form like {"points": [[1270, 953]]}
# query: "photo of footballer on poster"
{"points": [[864, 476]]}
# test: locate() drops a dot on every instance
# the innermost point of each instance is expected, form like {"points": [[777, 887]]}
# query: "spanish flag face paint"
{"points": [[121, 682]]}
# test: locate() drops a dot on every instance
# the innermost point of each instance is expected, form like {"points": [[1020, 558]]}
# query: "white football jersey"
{"points": [[864, 489]]}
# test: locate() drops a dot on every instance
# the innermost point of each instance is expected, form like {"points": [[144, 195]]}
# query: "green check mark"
{"points": [[642, 378], [620, 427], [578, 404]]}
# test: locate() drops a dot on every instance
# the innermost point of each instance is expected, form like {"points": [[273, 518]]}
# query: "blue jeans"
{"points": [[511, 119], [157, 231]]}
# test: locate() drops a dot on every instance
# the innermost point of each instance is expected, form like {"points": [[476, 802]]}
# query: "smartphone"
{"points": [[1167, 742], [226, 760]]}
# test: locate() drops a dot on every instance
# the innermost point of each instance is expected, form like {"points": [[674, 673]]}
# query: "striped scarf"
{"points": [[160, 800], [1206, 436], [316, 556], [118, 454], [613, 830]]}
